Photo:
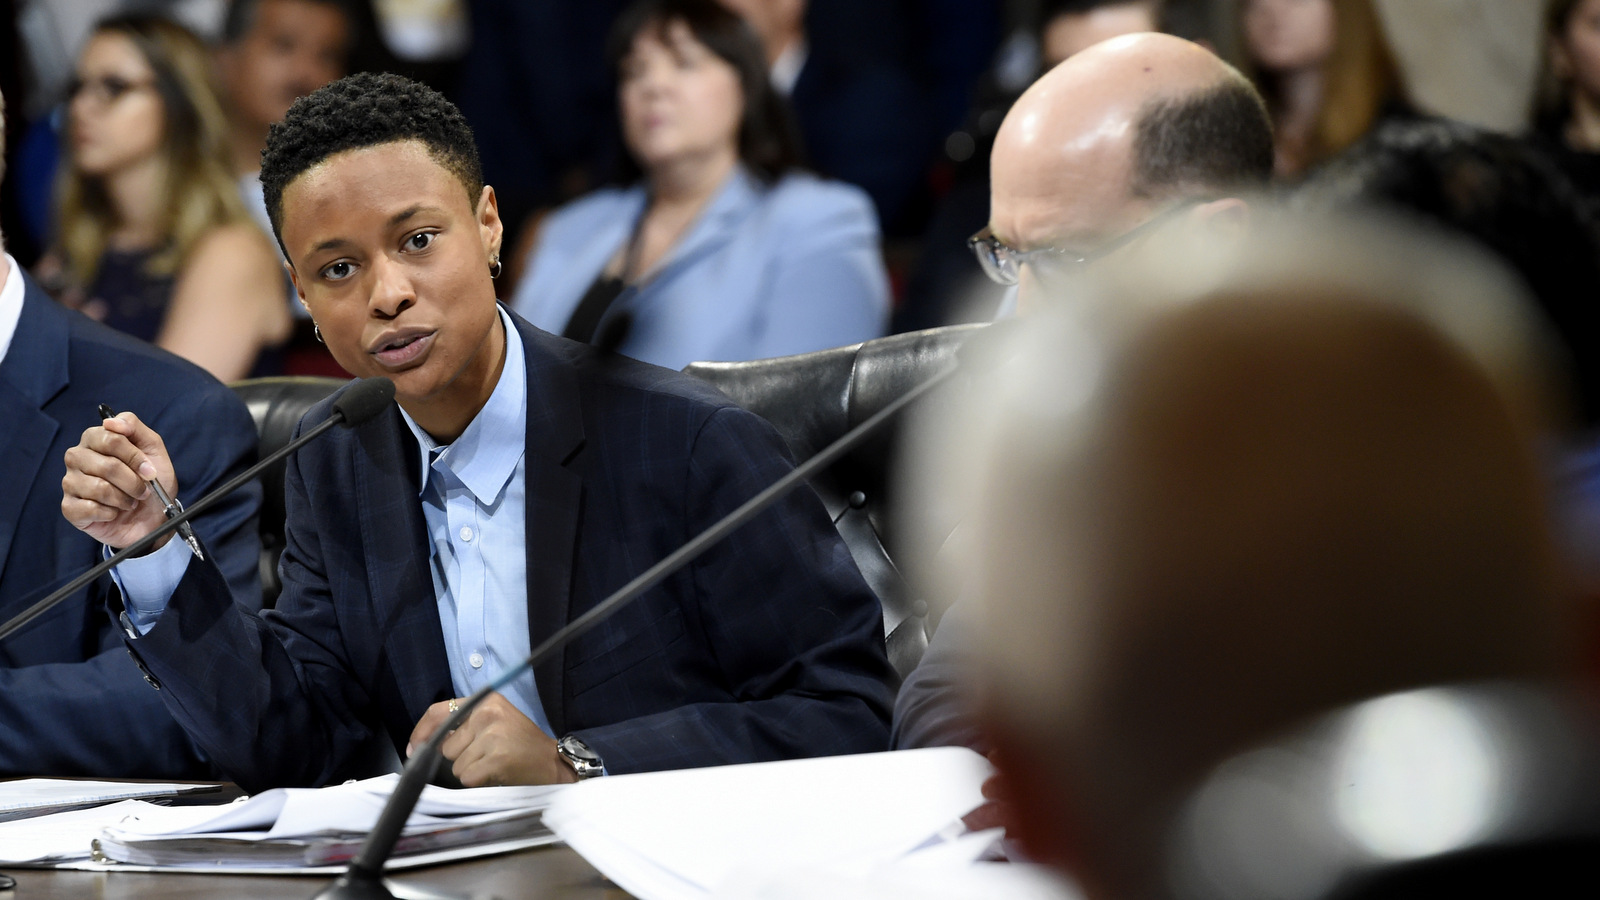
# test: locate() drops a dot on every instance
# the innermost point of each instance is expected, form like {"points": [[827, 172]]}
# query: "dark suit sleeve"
{"points": [[92, 718], [99, 716], [796, 634], [266, 696]]}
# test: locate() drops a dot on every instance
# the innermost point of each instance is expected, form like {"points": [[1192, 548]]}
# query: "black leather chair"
{"points": [[276, 405], [813, 399]]}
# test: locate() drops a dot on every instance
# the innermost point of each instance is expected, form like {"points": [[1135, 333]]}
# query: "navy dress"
{"points": [[128, 297]]}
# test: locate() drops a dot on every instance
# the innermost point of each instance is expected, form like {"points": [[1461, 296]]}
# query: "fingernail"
{"points": [[408, 751], [147, 470]]}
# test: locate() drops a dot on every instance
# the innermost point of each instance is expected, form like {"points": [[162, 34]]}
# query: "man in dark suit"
{"points": [[521, 480], [71, 700]]}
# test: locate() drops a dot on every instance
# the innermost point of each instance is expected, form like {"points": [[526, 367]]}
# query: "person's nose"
{"points": [[392, 289], [655, 78], [79, 106]]}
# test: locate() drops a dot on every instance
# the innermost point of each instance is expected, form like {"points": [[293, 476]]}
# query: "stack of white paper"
{"points": [[877, 818], [288, 829], [61, 837], [298, 827], [29, 797]]}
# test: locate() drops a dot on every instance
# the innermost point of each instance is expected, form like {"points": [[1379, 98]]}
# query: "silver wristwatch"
{"points": [[585, 762]]}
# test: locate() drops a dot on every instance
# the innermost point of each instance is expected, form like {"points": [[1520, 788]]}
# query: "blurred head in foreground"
{"points": [[1247, 484]]}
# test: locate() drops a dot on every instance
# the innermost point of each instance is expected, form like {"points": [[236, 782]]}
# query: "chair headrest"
{"points": [[813, 398], [277, 405]]}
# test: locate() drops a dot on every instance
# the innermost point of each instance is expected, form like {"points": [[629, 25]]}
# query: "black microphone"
{"points": [[359, 403], [363, 880]]}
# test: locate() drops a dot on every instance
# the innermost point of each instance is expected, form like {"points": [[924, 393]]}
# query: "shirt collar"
{"points": [[485, 456], [10, 302]]}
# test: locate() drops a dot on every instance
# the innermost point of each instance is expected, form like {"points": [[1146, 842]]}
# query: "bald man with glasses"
{"points": [[1119, 141]]}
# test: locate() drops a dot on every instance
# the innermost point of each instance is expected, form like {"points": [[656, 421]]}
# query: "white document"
{"points": [[342, 808], [397, 864], [61, 837], [681, 835], [42, 796], [485, 819]]}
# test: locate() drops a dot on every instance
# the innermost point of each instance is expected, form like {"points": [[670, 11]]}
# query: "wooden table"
{"points": [[544, 872]]}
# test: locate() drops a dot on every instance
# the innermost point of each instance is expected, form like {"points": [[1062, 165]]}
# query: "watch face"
{"points": [[579, 749], [585, 762]]}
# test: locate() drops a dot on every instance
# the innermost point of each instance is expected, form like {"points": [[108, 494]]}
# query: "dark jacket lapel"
{"points": [[554, 493], [34, 371], [394, 541]]}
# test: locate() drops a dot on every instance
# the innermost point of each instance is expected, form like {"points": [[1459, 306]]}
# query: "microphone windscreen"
{"points": [[363, 400]]}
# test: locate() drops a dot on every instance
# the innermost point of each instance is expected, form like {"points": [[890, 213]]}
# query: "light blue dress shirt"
{"points": [[765, 270], [474, 500]]}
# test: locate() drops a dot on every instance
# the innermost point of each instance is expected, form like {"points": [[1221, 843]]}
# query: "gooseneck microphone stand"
{"points": [[363, 880]]}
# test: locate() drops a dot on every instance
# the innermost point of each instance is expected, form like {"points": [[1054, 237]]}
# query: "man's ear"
{"points": [[1229, 217]]}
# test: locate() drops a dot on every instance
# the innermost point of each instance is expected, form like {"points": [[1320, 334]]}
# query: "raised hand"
{"points": [[106, 493]]}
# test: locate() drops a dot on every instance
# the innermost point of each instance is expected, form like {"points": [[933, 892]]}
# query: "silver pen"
{"points": [[169, 505]]}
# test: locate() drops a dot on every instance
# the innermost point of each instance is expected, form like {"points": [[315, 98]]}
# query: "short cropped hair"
{"points": [[1212, 142], [365, 110]]}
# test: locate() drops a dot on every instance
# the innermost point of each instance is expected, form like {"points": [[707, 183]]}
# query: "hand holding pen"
{"points": [[111, 474]]}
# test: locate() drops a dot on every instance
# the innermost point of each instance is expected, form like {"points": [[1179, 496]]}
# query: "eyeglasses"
{"points": [[1003, 264], [107, 89]]}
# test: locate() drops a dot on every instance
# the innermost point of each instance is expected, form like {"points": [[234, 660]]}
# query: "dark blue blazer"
{"points": [[769, 646], [71, 701]]}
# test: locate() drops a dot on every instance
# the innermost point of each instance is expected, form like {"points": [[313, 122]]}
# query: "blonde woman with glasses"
{"points": [[151, 236]]}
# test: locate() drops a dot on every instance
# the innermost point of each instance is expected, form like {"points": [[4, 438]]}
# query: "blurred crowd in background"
{"points": [[856, 162]]}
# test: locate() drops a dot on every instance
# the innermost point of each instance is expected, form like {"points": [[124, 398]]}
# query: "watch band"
{"points": [[585, 762]]}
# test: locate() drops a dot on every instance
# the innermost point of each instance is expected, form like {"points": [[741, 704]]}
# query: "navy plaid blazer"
{"points": [[769, 646]]}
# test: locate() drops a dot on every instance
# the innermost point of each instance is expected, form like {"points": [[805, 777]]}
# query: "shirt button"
{"points": [[466, 532], [476, 659]]}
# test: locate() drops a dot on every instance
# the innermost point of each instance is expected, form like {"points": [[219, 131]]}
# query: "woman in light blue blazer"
{"points": [[721, 250]]}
